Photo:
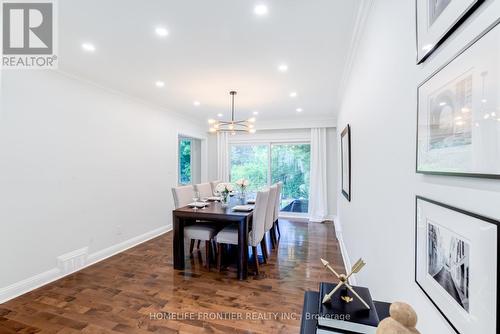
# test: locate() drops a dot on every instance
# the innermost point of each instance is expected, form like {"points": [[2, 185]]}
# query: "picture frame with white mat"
{"points": [[456, 259]]}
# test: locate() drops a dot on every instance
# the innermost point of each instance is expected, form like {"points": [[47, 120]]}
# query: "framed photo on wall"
{"points": [[345, 147], [436, 20], [458, 127], [456, 259]]}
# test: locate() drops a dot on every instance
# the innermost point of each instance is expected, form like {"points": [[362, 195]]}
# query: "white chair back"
{"points": [[271, 207], [278, 200], [259, 217], [214, 184], [205, 189], [182, 196]]}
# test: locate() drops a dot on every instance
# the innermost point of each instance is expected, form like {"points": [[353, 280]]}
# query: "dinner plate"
{"points": [[197, 204], [243, 208]]}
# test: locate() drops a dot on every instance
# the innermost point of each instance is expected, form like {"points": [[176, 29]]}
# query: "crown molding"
{"points": [[131, 98], [296, 124], [363, 12]]}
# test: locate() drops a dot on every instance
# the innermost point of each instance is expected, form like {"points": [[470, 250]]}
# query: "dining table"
{"points": [[220, 215]]}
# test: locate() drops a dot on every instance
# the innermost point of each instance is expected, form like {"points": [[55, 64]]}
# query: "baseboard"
{"points": [[123, 246], [20, 288], [322, 218]]}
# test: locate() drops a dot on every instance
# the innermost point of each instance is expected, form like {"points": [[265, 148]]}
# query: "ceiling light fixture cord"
{"points": [[233, 93]]}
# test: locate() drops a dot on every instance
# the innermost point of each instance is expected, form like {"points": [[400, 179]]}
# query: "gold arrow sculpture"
{"points": [[344, 280]]}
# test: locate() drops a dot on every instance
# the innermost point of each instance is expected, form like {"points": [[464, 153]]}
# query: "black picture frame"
{"points": [[345, 137], [418, 170], [459, 20], [469, 214]]}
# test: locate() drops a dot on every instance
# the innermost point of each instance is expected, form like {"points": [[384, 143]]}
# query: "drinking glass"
{"points": [[204, 200], [196, 197]]}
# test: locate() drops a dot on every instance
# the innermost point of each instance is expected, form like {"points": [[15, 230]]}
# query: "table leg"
{"points": [[178, 242], [243, 249]]}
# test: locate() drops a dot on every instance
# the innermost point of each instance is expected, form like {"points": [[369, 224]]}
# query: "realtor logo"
{"points": [[28, 34]]}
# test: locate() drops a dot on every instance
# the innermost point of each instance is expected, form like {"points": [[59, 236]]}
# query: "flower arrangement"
{"points": [[224, 188], [243, 184]]}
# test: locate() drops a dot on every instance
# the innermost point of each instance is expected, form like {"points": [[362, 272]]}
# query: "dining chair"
{"points": [[278, 208], [200, 232], [229, 235], [270, 216], [214, 185], [204, 189]]}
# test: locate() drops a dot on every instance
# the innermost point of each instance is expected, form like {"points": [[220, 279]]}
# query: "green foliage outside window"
{"points": [[250, 162], [184, 161], [289, 164]]}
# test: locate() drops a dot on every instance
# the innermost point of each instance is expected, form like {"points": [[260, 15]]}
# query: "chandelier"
{"points": [[232, 126]]}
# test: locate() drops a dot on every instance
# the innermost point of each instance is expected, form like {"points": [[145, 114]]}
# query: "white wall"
{"points": [[288, 134], [380, 105], [79, 167]]}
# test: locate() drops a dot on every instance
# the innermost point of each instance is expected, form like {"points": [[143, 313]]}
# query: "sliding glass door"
{"points": [[250, 162], [267, 163], [290, 164]]}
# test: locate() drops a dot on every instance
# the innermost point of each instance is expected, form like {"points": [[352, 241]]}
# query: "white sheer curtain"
{"points": [[318, 198], [223, 156]]}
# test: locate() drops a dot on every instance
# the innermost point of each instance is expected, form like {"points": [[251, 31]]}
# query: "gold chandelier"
{"points": [[232, 126]]}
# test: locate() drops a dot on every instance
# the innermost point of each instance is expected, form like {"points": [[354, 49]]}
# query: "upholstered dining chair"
{"points": [[229, 235], [205, 189], [271, 202], [278, 208], [214, 184], [201, 232]]}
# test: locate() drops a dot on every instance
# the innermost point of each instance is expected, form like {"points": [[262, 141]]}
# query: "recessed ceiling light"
{"points": [[299, 110], [442, 104], [88, 47], [255, 113], [283, 67], [220, 115], [161, 31], [196, 103], [160, 84], [261, 10], [293, 94]]}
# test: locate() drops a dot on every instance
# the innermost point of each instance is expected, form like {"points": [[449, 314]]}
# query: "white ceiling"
{"points": [[213, 46]]}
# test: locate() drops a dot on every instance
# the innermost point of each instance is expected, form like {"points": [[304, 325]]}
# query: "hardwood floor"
{"points": [[134, 291]]}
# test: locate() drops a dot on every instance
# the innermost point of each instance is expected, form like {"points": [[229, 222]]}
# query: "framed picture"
{"points": [[456, 259], [345, 144], [459, 113], [437, 19]]}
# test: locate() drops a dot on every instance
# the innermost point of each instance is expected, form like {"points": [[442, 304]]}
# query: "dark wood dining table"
{"points": [[220, 216]]}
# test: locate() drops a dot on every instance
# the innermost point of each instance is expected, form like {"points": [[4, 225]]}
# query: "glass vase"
{"points": [[224, 199]]}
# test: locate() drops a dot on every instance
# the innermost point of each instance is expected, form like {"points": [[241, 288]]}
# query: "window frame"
{"points": [[269, 144], [179, 172]]}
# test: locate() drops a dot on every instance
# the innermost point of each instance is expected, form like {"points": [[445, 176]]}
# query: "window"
{"points": [[290, 165], [250, 162], [184, 161], [189, 160], [268, 163]]}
